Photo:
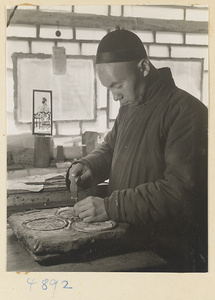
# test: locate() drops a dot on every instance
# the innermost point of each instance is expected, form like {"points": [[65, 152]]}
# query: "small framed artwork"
{"points": [[42, 112]]}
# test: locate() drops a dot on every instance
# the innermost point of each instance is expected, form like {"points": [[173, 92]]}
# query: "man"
{"points": [[155, 156]]}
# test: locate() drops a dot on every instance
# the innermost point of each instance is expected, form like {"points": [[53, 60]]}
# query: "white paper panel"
{"points": [[73, 93]]}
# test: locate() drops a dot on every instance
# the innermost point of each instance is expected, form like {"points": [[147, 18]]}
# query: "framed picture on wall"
{"points": [[42, 112]]}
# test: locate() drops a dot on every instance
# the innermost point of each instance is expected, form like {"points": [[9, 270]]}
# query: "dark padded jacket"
{"points": [[156, 160]]}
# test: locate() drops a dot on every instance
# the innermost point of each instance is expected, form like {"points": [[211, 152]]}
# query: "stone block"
{"points": [[195, 14], [145, 36], [169, 37], [42, 47], [15, 46], [158, 51], [90, 34], [155, 12], [71, 48], [21, 31], [196, 39], [49, 32], [62, 8], [91, 9], [89, 49], [191, 52], [116, 10]]}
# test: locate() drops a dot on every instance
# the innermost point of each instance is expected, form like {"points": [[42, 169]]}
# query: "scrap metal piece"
{"points": [[73, 189]]}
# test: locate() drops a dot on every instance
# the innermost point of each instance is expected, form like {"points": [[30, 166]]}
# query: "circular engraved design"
{"points": [[82, 226], [45, 224], [66, 212]]}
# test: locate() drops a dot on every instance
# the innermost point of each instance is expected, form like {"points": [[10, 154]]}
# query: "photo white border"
{"points": [[126, 286]]}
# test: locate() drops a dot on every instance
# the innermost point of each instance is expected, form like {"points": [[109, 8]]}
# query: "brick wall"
{"points": [[168, 32]]}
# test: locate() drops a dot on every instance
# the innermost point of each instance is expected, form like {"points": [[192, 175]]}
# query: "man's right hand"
{"points": [[82, 174]]}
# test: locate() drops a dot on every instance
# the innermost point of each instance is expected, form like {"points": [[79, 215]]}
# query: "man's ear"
{"points": [[144, 66]]}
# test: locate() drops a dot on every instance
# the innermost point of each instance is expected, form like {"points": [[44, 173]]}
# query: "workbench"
{"points": [[20, 260], [50, 196]]}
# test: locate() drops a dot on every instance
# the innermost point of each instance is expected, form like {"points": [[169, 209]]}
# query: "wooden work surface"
{"points": [[52, 195], [19, 260]]}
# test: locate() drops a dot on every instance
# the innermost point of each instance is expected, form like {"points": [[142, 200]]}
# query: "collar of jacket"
{"points": [[162, 85]]}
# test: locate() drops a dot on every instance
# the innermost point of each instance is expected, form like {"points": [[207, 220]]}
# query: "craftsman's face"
{"points": [[126, 80]]}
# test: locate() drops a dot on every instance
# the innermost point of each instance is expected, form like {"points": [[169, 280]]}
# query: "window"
{"points": [[73, 94]]}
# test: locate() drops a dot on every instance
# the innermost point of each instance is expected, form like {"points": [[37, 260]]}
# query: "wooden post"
{"points": [[42, 151], [89, 142]]}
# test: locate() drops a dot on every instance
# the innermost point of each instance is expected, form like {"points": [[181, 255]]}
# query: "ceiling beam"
{"points": [[37, 17]]}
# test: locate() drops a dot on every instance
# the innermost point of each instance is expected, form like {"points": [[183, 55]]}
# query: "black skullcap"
{"points": [[118, 46]]}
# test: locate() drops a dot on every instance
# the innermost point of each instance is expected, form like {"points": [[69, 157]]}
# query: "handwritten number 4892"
{"points": [[52, 282]]}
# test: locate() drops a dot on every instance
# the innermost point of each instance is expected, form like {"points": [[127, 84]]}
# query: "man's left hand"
{"points": [[91, 209]]}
